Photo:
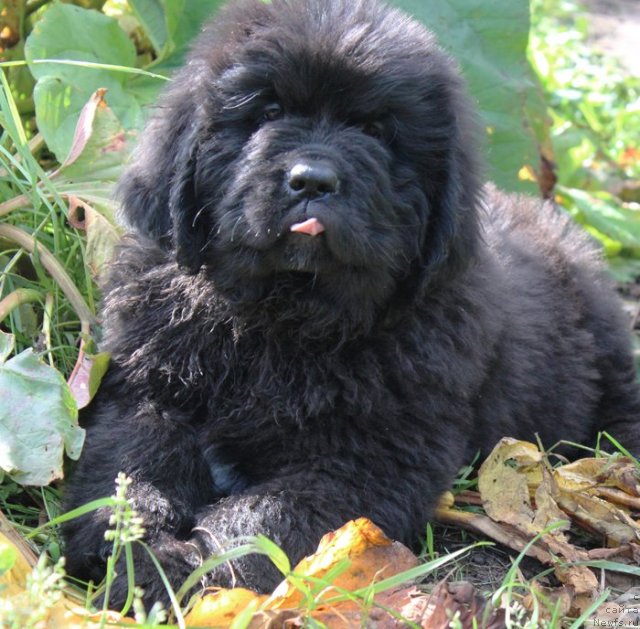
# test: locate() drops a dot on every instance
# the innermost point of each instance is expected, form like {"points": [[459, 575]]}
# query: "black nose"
{"points": [[312, 179]]}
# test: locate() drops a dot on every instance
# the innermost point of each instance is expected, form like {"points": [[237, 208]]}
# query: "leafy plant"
{"points": [[595, 109]]}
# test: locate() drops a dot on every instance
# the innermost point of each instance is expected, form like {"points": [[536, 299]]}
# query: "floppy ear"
{"points": [[454, 227], [157, 192], [189, 225]]}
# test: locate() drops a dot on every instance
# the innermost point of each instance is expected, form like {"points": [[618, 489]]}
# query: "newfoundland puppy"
{"points": [[320, 312]]}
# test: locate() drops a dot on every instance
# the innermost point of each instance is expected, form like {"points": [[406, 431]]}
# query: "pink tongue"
{"points": [[312, 227]]}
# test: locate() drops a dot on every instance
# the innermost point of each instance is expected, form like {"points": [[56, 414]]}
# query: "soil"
{"points": [[614, 29]]}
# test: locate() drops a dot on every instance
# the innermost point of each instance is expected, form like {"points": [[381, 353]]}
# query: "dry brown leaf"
{"points": [[582, 585], [411, 605], [600, 517], [556, 596], [219, 608], [619, 497], [371, 557], [579, 475], [621, 473], [547, 510], [522, 497], [505, 534], [503, 485], [69, 616]]}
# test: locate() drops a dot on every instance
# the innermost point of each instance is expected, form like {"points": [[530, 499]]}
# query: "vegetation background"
{"points": [[78, 78]]}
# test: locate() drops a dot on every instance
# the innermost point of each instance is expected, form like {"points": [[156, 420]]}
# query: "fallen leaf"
{"points": [[14, 574], [368, 554], [503, 486], [219, 608], [600, 517], [16, 567]]}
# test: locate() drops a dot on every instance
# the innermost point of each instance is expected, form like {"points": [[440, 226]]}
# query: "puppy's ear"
{"points": [[189, 227], [454, 228], [157, 192]]}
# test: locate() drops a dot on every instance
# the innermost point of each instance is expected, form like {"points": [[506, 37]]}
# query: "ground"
{"points": [[614, 28]]}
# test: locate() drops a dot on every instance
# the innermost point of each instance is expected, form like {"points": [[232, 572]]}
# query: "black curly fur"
{"points": [[264, 381]]}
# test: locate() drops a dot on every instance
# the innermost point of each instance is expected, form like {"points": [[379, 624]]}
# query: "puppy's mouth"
{"points": [[302, 246], [301, 252]]}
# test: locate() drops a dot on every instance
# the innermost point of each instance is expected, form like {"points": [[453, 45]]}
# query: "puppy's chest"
{"points": [[269, 399]]}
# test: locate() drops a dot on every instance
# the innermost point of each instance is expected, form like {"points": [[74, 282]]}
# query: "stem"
{"points": [[17, 298], [55, 269], [46, 325], [15, 203], [34, 5]]}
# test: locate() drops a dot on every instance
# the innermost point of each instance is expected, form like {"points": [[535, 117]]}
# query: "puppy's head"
{"points": [[319, 145]]}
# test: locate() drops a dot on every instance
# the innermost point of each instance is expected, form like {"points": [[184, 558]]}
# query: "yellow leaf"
{"points": [[14, 580], [503, 485], [372, 556], [219, 608]]}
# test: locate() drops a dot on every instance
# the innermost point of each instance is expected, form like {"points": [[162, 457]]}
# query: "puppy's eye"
{"points": [[272, 111], [374, 128]]}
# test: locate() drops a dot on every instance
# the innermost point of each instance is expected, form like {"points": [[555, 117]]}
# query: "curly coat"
{"points": [[274, 382]]}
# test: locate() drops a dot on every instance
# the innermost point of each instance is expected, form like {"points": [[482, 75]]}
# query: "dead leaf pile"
{"points": [[525, 499], [355, 557], [334, 586]]}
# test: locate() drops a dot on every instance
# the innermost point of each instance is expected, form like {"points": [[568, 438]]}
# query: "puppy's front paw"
{"points": [[178, 560]]}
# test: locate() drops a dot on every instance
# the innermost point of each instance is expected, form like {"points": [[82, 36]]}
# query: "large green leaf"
{"points": [[38, 420], [489, 39], [164, 21], [605, 217], [151, 15], [70, 33]]}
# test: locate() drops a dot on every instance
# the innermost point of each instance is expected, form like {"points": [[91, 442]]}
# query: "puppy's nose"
{"points": [[312, 179]]}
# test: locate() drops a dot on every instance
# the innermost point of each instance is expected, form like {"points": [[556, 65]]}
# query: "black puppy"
{"points": [[321, 314]]}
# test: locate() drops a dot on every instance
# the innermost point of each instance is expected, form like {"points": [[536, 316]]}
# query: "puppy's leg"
{"points": [[161, 454], [618, 411], [298, 508], [619, 408]]}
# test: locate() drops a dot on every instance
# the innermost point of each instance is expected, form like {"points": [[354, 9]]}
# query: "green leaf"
{"points": [[86, 177], [489, 39], [38, 421], [190, 20], [102, 233], [7, 343], [151, 15], [68, 32], [624, 269], [604, 215]]}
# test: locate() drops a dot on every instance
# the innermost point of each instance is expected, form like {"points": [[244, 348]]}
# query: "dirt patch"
{"points": [[614, 29]]}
